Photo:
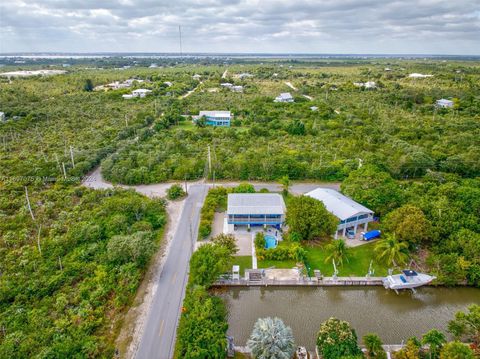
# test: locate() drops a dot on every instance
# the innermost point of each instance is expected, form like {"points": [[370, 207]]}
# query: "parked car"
{"points": [[350, 234], [368, 236]]}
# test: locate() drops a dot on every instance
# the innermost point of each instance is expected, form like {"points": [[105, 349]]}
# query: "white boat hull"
{"points": [[395, 281]]}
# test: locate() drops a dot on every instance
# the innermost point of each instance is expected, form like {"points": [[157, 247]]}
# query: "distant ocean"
{"points": [[73, 55]]}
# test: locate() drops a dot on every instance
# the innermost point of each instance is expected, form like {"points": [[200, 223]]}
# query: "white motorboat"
{"points": [[408, 279]]}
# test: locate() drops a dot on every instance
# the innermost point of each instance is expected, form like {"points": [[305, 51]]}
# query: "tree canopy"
{"points": [[309, 218]]}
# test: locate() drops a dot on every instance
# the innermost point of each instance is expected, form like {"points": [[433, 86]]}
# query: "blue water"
{"points": [[270, 241]]}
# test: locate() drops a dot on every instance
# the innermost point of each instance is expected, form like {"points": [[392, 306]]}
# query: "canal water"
{"points": [[369, 309]]}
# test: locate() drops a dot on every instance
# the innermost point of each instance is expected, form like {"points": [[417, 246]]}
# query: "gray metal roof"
{"points": [[339, 205], [255, 203], [221, 114]]}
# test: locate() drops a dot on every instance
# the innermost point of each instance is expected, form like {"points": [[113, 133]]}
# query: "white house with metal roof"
{"points": [[284, 97], [444, 103], [255, 209], [350, 213]]}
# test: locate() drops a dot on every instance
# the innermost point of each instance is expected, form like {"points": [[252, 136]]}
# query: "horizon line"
{"points": [[186, 54]]}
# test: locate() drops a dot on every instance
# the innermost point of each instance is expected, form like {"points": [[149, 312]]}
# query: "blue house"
{"points": [[255, 209], [216, 118]]}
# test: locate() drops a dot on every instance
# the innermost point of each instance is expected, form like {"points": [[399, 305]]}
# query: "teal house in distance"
{"points": [[215, 118]]}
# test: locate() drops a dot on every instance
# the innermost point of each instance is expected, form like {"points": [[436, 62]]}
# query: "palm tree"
{"points": [[435, 340], [392, 251], [271, 339], [339, 251]]}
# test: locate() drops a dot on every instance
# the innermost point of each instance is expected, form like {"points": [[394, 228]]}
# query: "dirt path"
{"points": [[289, 84], [225, 74], [190, 92]]}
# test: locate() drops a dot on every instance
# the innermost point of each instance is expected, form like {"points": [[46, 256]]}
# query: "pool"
{"points": [[270, 241]]}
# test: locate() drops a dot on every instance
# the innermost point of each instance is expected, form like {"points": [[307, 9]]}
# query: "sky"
{"points": [[242, 26]]}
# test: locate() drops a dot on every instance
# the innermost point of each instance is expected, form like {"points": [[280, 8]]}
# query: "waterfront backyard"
{"points": [[357, 265]]}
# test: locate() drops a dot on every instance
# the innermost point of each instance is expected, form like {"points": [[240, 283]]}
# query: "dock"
{"points": [[301, 282]]}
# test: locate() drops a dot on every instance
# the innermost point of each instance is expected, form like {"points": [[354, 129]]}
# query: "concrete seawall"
{"points": [[303, 282]]}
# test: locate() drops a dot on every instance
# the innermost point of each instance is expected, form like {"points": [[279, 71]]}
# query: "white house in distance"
{"points": [[254, 209], [416, 75], [137, 93], [443, 103], [284, 97], [350, 213], [141, 92], [367, 85]]}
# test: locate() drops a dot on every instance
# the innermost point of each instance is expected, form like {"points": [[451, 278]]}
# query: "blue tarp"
{"points": [[371, 235]]}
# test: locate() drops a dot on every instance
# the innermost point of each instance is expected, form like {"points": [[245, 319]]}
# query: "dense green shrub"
{"points": [[336, 339], [289, 251], [309, 218], [203, 326], [216, 200], [175, 192], [67, 301]]}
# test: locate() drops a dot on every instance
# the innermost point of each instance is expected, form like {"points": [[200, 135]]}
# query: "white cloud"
{"points": [[347, 26]]}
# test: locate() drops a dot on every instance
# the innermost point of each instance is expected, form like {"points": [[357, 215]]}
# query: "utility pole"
{"points": [[28, 203], [38, 239], [180, 38], [209, 162], [71, 156]]}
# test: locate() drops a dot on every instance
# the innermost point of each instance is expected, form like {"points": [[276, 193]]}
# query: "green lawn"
{"points": [[357, 265], [245, 262], [276, 264]]}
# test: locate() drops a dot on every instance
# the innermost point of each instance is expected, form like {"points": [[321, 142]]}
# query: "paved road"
{"points": [[158, 339]]}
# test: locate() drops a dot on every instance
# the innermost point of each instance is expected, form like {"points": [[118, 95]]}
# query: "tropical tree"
{"points": [[88, 86], [456, 350], [336, 339], [374, 188], [208, 262], [408, 223], [175, 191], [203, 326], [285, 182], [391, 251], [226, 240], [373, 344], [435, 341], [467, 325], [410, 351], [244, 188], [271, 339], [309, 218], [338, 251]]}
